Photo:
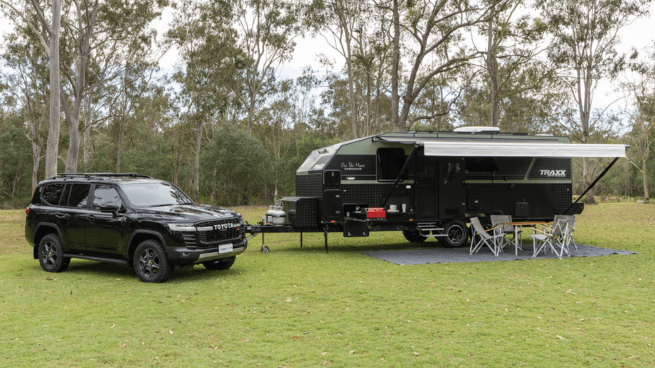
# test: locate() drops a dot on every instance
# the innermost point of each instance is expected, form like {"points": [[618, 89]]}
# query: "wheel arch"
{"points": [[140, 236], [42, 230]]}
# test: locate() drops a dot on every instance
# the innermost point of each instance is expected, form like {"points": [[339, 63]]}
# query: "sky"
{"points": [[640, 34]]}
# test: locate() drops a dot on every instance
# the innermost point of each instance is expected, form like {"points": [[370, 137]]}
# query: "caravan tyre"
{"points": [[456, 234], [414, 236]]}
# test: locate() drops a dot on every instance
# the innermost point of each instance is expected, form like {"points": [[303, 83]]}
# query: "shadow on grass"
{"points": [[113, 270], [359, 248]]}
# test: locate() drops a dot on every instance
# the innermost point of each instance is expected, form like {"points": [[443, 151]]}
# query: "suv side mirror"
{"points": [[109, 207]]}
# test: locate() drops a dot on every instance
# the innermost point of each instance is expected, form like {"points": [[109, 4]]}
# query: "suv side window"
{"points": [[52, 193], [106, 195], [36, 198], [79, 195]]}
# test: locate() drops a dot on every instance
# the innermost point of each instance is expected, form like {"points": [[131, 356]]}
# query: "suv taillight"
{"points": [[27, 211]]}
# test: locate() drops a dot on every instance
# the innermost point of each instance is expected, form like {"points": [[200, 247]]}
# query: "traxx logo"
{"points": [[554, 173]]}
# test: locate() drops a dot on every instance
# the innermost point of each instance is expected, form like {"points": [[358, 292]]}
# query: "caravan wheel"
{"points": [[456, 234]]}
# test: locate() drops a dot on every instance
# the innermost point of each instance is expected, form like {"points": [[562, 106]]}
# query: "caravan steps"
{"points": [[424, 228]]}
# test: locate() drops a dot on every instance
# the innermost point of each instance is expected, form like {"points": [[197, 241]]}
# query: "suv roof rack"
{"points": [[99, 175]]}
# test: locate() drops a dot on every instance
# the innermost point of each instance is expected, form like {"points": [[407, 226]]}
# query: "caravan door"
{"points": [[450, 184], [426, 187]]}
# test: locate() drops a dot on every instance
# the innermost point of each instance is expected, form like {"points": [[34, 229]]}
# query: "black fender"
{"points": [[140, 232], [36, 232]]}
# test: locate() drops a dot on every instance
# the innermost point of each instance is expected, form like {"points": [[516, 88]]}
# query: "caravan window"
{"points": [[481, 165], [389, 163]]}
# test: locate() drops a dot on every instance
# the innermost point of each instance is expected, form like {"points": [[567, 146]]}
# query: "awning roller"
{"points": [[522, 149]]}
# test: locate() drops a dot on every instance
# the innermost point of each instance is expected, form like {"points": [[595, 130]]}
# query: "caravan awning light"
{"points": [[522, 149]]}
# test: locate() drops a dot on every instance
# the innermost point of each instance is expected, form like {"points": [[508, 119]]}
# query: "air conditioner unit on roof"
{"points": [[476, 129]]}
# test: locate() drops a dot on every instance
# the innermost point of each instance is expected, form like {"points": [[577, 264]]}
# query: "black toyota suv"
{"points": [[130, 219]]}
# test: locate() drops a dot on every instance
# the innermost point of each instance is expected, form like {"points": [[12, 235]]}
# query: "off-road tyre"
{"points": [[220, 264], [51, 254], [414, 236], [457, 234], [151, 263]]}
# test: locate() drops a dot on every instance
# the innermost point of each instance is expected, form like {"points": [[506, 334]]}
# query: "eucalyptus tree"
{"points": [[641, 88], [48, 34], [420, 30], [89, 28], [341, 23], [203, 35], [585, 38], [266, 32], [372, 53], [514, 41], [130, 88], [27, 78]]}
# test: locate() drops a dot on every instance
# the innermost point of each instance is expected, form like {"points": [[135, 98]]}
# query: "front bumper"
{"points": [[184, 256]]}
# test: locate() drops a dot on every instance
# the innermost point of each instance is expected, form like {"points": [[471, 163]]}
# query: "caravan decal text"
{"points": [[554, 173]]}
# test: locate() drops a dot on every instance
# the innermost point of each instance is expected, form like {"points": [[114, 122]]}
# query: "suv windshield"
{"points": [[155, 194]]}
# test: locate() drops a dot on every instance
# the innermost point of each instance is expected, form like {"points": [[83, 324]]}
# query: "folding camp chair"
{"points": [[556, 239], [482, 237], [570, 221], [516, 232]]}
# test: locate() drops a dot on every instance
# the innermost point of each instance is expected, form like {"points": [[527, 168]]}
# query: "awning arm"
{"points": [[402, 171], [594, 183]]}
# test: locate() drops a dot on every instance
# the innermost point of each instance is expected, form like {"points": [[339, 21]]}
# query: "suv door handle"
{"points": [[61, 215], [91, 217]]}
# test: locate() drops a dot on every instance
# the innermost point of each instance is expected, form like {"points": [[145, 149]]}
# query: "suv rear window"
{"points": [[52, 194]]}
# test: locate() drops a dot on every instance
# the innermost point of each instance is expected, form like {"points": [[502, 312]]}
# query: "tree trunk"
{"points": [[351, 90], [74, 143], [120, 144], [73, 117], [492, 68], [251, 112], [395, 69], [36, 159], [196, 162], [644, 175], [52, 149], [368, 104], [178, 160], [85, 147], [587, 180]]}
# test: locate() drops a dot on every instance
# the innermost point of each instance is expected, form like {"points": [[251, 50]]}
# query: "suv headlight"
{"points": [[182, 227]]}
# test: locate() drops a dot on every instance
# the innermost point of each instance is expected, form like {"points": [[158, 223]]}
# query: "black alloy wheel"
{"points": [[456, 233], [51, 254], [220, 264], [414, 236], [151, 263]]}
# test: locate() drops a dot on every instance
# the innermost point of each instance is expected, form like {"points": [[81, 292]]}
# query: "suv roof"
{"points": [[99, 176]]}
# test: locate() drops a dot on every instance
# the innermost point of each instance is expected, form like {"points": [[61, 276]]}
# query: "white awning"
{"points": [[473, 148]]}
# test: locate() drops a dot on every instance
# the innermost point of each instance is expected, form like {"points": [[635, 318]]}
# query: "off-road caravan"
{"points": [[431, 183]]}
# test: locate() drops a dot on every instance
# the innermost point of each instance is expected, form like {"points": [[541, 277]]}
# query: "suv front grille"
{"points": [[232, 230]]}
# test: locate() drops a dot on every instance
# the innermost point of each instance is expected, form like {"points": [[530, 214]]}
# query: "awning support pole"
{"points": [[402, 171], [592, 184]]}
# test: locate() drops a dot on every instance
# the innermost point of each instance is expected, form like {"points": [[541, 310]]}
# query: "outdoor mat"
{"points": [[460, 255]]}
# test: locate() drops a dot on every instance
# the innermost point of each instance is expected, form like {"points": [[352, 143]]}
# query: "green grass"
{"points": [[298, 307]]}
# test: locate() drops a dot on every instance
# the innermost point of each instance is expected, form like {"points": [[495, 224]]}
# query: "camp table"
{"points": [[517, 224]]}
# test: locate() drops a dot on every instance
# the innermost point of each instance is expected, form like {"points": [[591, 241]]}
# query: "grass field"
{"points": [[298, 307]]}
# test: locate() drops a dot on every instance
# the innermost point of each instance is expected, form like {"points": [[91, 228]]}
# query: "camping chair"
{"points": [[482, 237], [517, 233], [570, 221], [557, 239]]}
